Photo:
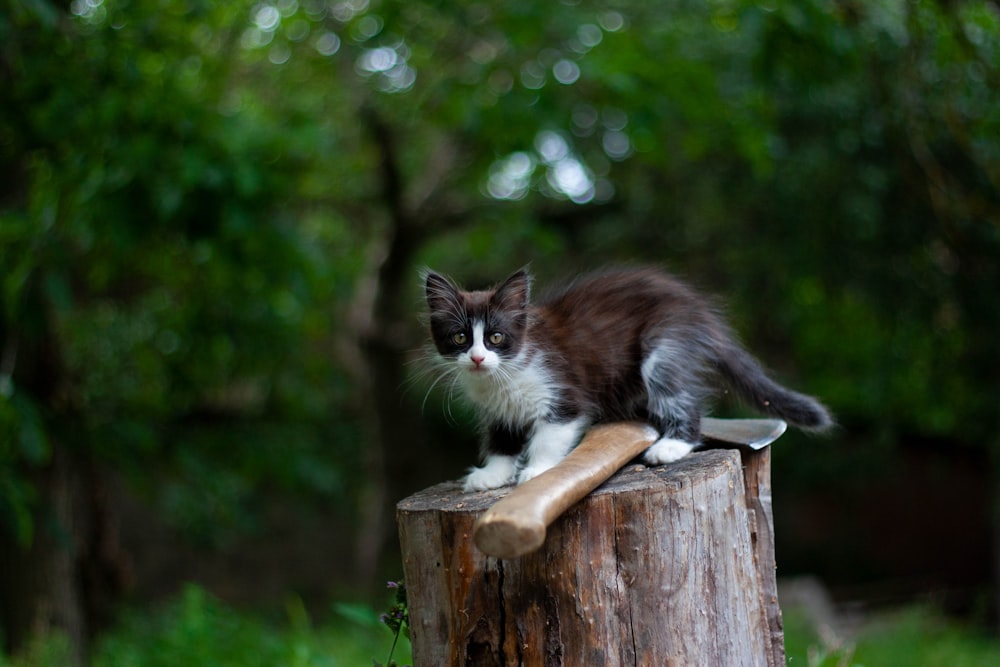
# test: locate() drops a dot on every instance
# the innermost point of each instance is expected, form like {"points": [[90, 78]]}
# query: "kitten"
{"points": [[634, 344]]}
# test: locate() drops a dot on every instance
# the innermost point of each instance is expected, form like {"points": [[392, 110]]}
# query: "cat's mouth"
{"points": [[478, 363], [480, 369]]}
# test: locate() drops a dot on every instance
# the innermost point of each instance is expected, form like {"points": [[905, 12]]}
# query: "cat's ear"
{"points": [[515, 292], [440, 291]]}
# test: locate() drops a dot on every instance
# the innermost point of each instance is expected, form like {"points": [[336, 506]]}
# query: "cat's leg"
{"points": [[670, 447], [501, 447], [673, 404], [549, 444]]}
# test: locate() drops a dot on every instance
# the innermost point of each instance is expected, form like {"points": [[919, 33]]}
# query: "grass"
{"points": [[917, 636], [198, 629]]}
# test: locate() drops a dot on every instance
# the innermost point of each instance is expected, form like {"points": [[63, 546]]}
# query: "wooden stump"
{"points": [[672, 565]]}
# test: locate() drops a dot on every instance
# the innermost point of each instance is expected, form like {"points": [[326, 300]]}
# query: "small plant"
{"points": [[397, 619]]}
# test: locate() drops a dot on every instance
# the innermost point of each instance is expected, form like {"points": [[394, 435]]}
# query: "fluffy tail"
{"points": [[748, 379]]}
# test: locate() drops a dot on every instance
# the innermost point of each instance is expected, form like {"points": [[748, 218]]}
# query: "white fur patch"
{"points": [[667, 450], [496, 472], [515, 391], [548, 445]]}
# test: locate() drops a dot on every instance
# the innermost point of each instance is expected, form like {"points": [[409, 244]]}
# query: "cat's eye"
{"points": [[496, 338], [459, 338]]}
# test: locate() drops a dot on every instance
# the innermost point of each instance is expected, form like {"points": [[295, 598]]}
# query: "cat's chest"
{"points": [[515, 396]]}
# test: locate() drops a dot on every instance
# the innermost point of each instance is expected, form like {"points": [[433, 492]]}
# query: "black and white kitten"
{"points": [[618, 345]]}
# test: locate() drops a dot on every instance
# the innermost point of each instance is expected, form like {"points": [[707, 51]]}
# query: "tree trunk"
{"points": [[38, 585], [671, 565], [71, 575], [73, 571]]}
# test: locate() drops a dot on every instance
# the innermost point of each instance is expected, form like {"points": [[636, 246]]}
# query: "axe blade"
{"points": [[752, 433]]}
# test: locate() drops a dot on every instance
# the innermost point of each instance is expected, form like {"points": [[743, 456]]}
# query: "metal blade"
{"points": [[752, 433]]}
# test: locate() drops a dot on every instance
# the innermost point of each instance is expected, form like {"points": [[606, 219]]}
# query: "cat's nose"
{"points": [[477, 359]]}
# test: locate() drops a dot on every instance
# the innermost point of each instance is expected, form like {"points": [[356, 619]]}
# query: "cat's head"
{"points": [[478, 330]]}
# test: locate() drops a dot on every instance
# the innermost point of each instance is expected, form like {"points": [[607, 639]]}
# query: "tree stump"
{"points": [[671, 565]]}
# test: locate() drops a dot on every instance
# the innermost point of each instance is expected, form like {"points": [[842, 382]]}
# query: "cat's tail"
{"points": [[746, 376]]}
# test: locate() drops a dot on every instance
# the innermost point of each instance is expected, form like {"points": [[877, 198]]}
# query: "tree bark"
{"points": [[72, 574], [671, 565], [39, 586]]}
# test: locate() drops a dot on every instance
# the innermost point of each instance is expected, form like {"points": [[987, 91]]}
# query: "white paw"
{"points": [[532, 471], [667, 450], [498, 471]]}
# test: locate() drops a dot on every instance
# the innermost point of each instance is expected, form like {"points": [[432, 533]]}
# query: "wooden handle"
{"points": [[516, 524]]}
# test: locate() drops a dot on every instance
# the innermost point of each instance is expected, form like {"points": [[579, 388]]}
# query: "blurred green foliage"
{"points": [[919, 636], [196, 202], [196, 628], [152, 245]]}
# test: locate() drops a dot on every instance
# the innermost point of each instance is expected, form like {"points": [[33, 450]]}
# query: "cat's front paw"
{"points": [[667, 450], [481, 479], [532, 471], [498, 471]]}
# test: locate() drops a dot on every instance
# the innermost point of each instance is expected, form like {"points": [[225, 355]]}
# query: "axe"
{"points": [[516, 524]]}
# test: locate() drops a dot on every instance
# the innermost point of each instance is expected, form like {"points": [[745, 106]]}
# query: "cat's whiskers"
{"points": [[431, 371], [430, 389], [449, 398]]}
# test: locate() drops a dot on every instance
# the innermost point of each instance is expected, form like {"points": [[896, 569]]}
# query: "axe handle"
{"points": [[516, 524]]}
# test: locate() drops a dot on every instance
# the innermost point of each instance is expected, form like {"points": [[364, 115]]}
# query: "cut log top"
{"points": [[449, 497]]}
